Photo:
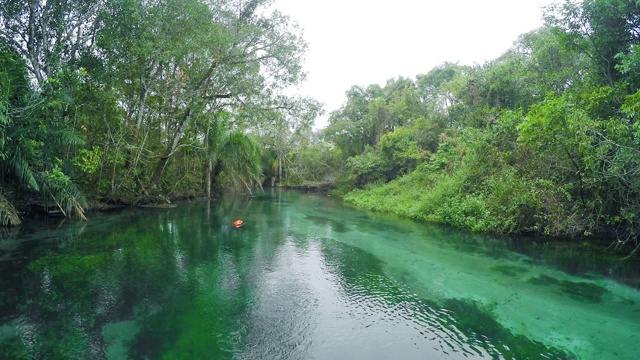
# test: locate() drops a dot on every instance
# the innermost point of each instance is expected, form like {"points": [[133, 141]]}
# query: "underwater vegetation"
{"points": [[509, 270], [337, 226], [581, 291], [471, 318]]}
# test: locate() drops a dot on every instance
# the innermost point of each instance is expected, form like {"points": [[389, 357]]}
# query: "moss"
{"points": [[68, 264]]}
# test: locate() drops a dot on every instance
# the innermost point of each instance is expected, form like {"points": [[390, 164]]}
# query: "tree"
{"points": [[552, 66], [171, 65], [601, 29], [231, 154], [282, 131], [34, 141], [401, 149], [349, 127], [48, 35]]}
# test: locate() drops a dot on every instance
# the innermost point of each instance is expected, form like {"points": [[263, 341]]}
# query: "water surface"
{"points": [[305, 278]]}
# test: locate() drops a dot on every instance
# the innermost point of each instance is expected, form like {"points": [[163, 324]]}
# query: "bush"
{"points": [[369, 167]]}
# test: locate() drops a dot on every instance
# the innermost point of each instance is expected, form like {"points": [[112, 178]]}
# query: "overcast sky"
{"points": [[360, 42]]}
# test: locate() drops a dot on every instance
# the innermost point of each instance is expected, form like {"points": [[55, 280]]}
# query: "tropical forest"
{"points": [[131, 101], [167, 193]]}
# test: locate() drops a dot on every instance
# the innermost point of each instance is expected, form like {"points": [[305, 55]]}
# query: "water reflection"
{"points": [[304, 278]]}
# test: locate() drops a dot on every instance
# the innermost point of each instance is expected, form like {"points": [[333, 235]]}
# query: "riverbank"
{"points": [[311, 187], [406, 203], [440, 203], [29, 209]]}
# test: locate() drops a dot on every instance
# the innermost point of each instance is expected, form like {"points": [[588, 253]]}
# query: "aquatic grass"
{"points": [[509, 270], [337, 226], [482, 323], [196, 324], [476, 320], [205, 290], [13, 348], [70, 271], [582, 291], [543, 280]]}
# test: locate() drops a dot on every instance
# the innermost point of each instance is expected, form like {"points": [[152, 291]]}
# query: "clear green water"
{"points": [[305, 278]]}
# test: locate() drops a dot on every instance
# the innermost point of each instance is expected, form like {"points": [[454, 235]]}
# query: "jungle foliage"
{"points": [[544, 139], [132, 100]]}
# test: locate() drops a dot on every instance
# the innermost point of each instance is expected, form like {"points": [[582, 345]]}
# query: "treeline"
{"points": [[544, 139], [135, 100]]}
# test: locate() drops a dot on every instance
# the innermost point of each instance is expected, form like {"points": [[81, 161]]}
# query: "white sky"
{"points": [[359, 42]]}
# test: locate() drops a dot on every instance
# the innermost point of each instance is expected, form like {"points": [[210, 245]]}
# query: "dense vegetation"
{"points": [[545, 139], [133, 100]]}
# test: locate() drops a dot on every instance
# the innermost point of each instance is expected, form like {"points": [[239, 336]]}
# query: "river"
{"points": [[305, 278]]}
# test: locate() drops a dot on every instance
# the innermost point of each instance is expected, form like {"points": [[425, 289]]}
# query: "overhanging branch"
{"points": [[217, 96]]}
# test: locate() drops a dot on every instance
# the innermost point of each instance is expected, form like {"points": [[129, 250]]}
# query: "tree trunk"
{"points": [[207, 179], [162, 163], [164, 159], [279, 170]]}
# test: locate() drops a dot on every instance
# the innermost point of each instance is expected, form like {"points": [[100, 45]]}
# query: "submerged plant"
{"points": [[581, 290]]}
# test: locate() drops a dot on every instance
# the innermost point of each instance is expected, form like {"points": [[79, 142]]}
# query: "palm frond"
{"points": [[8, 213], [241, 158], [4, 117], [67, 196], [22, 170], [66, 137]]}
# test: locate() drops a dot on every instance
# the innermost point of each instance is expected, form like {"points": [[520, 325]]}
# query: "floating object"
{"points": [[238, 223]]}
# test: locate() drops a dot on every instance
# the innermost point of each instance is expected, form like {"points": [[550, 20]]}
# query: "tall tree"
{"points": [[49, 35], [600, 29], [195, 57]]}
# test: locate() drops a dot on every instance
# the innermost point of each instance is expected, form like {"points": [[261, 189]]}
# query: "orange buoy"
{"points": [[238, 223]]}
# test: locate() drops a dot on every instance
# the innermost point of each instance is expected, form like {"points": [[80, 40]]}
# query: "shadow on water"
{"points": [[596, 260]]}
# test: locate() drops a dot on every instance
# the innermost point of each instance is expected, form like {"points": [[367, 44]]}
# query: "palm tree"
{"points": [[230, 155]]}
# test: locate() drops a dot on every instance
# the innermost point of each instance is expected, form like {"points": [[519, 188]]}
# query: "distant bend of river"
{"points": [[304, 278]]}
